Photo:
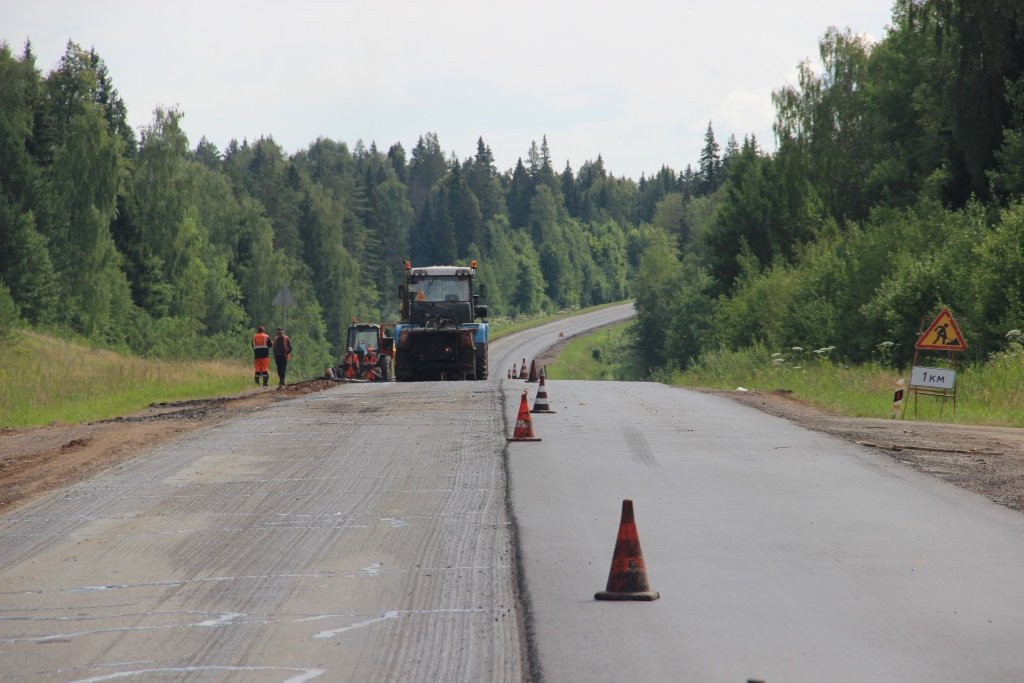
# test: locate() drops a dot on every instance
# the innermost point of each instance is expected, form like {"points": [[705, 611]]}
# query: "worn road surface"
{"points": [[357, 534]]}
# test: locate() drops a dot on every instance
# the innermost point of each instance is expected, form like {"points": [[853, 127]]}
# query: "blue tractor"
{"points": [[438, 337]]}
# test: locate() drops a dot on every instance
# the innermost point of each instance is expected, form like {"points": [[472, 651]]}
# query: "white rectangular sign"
{"points": [[932, 378]]}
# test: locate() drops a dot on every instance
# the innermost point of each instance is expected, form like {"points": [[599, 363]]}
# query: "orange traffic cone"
{"points": [[533, 371], [541, 404], [522, 370], [510, 373], [627, 579], [524, 424]]}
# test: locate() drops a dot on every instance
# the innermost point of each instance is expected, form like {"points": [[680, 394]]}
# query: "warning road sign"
{"points": [[942, 335]]}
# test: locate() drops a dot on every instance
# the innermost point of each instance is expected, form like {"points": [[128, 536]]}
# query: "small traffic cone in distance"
{"points": [[627, 579], [540, 405], [524, 424], [533, 371], [510, 373], [522, 370]]}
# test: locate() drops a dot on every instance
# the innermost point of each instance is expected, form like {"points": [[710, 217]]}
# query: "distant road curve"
{"points": [[528, 344]]}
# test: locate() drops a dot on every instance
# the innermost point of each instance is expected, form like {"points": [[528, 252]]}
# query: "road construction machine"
{"points": [[438, 337], [379, 338]]}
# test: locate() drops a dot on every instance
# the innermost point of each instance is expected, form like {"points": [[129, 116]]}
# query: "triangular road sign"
{"points": [[942, 335], [284, 297]]}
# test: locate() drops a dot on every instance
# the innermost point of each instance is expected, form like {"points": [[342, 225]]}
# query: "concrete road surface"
{"points": [[359, 534], [780, 554]]}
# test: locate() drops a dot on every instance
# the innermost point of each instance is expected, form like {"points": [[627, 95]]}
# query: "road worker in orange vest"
{"points": [[350, 362], [261, 345], [370, 365]]}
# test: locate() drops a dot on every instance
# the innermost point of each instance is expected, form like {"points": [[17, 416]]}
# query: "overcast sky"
{"points": [[635, 81]]}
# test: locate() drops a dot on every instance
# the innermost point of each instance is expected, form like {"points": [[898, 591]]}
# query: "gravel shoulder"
{"points": [[37, 460], [986, 460]]}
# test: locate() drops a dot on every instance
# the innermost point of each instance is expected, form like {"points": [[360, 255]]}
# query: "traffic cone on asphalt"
{"points": [[524, 424], [510, 373], [627, 579], [522, 370], [540, 405], [533, 371]]}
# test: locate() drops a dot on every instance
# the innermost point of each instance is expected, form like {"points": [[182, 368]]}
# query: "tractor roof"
{"points": [[441, 271]]}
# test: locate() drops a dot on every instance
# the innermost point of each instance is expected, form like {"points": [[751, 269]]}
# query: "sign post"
{"points": [[942, 335], [284, 299]]}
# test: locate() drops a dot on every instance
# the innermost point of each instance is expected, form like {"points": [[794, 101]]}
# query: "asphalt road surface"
{"points": [[780, 554]]}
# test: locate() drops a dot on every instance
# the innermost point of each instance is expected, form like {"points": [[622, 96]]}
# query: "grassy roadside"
{"points": [[44, 380], [607, 354], [991, 394]]}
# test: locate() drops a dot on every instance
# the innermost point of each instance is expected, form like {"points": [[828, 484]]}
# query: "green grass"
{"points": [[990, 394], [603, 355], [45, 380]]}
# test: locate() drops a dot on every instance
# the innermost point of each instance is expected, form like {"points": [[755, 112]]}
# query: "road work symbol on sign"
{"points": [[942, 335]]}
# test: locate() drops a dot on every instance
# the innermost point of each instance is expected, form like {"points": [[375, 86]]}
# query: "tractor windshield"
{"points": [[439, 289], [362, 338]]}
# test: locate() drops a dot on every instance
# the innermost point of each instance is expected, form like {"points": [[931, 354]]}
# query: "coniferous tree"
{"points": [[466, 218], [732, 149], [570, 192], [433, 241], [396, 156], [482, 178], [426, 168], [710, 168], [520, 194]]}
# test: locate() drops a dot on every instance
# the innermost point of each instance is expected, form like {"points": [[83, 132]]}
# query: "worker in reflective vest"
{"points": [[351, 364], [370, 364], [261, 345]]}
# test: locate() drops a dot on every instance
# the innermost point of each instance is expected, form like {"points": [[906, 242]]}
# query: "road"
{"points": [[370, 532], [780, 554], [356, 534]]}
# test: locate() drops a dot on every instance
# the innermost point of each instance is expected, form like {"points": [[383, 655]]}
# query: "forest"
{"points": [[893, 189]]}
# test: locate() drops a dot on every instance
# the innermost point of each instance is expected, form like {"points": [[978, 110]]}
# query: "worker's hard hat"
{"points": [[350, 348]]}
